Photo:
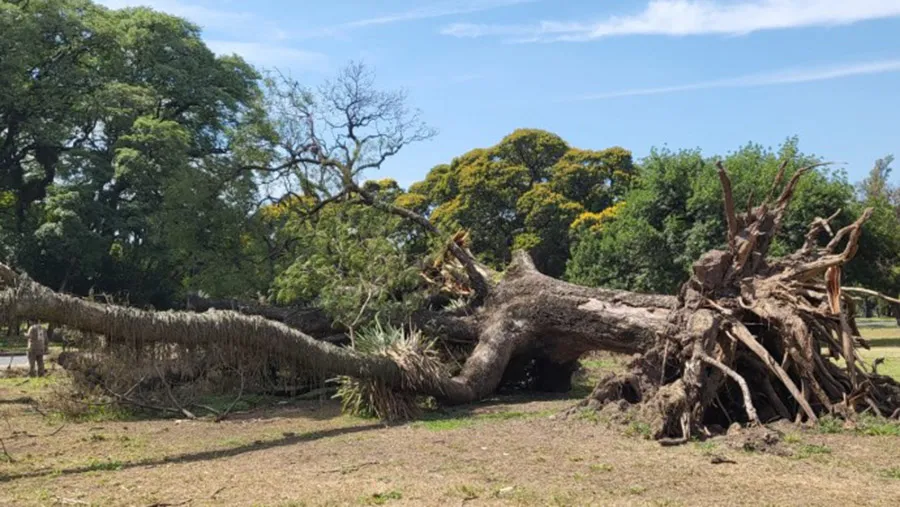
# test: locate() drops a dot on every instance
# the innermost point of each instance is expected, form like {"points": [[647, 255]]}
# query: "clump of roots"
{"points": [[419, 363], [753, 339]]}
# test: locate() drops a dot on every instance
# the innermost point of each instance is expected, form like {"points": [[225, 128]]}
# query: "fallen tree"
{"points": [[743, 340], [311, 320]]}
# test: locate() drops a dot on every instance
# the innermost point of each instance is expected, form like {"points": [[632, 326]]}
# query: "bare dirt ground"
{"points": [[507, 451]]}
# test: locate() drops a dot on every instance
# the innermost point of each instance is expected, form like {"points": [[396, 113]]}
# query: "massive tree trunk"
{"points": [[528, 314], [742, 341], [312, 321]]}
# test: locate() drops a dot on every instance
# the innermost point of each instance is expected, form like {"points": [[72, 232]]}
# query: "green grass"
{"points": [[638, 429], [884, 337], [13, 343], [706, 447], [382, 498], [27, 386], [891, 473], [809, 450], [601, 467], [98, 466], [607, 364], [792, 438], [866, 425], [95, 413]]}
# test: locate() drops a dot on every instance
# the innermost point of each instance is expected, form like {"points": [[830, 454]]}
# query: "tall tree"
{"points": [[524, 192], [122, 141], [674, 215], [879, 265]]}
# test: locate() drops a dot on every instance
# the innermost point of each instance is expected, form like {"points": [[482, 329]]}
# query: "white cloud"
{"points": [[436, 11], [257, 50], [695, 17], [268, 55], [757, 80]]}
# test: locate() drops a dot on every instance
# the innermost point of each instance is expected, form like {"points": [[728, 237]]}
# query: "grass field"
{"points": [[506, 451]]}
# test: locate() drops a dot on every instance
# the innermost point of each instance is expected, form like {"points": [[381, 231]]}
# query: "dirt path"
{"points": [[502, 453]]}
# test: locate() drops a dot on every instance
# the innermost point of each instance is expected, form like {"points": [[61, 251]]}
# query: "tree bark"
{"points": [[760, 324], [25, 298], [310, 320]]}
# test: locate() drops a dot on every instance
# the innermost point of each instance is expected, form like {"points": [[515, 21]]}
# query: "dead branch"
{"points": [[730, 217], [221, 417], [748, 403]]}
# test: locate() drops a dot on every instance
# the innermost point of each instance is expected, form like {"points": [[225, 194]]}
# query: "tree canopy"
{"points": [[524, 193], [674, 214], [122, 145]]}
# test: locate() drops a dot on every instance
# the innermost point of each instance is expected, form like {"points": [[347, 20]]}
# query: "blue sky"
{"points": [[679, 73]]}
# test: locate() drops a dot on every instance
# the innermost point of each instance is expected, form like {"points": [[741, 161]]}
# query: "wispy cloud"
{"points": [[434, 11], [261, 44], [694, 17], [269, 55], [757, 80]]}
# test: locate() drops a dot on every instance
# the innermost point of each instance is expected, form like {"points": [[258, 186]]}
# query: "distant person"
{"points": [[37, 347]]}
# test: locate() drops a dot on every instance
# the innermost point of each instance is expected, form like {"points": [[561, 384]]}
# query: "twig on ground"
{"points": [[221, 417], [166, 504], [57, 430], [350, 468], [6, 453], [138, 404], [187, 413]]}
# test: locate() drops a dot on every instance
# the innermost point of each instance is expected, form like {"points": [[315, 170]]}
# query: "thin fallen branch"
{"points": [[350, 468], [872, 293], [187, 413], [221, 417], [745, 390], [137, 403], [740, 333]]}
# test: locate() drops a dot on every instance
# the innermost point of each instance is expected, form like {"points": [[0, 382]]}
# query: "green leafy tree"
{"points": [[877, 265], [675, 214], [352, 260], [524, 192], [124, 146]]}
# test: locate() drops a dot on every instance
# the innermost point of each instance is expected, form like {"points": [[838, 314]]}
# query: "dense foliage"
{"points": [[136, 162], [120, 152], [524, 192]]}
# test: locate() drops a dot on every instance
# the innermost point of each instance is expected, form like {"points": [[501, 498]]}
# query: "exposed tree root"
{"points": [[742, 342], [762, 325]]}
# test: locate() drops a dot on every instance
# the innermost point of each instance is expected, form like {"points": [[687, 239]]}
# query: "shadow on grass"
{"points": [[199, 456], [878, 343]]}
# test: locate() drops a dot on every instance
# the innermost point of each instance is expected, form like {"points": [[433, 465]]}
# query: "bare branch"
{"points": [[745, 390], [729, 205], [740, 333], [818, 225], [476, 276]]}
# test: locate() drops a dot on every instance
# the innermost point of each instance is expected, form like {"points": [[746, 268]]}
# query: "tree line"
{"points": [[134, 162]]}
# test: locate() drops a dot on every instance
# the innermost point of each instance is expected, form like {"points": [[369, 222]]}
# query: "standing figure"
{"points": [[37, 347]]}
